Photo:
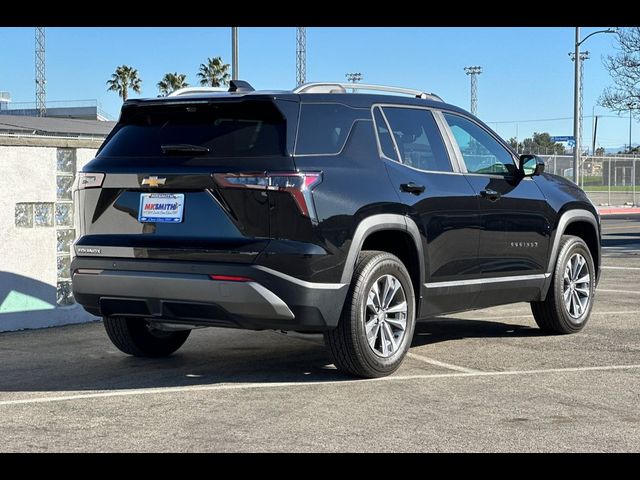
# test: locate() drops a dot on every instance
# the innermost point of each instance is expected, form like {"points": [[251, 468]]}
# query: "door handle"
{"points": [[412, 188], [490, 194]]}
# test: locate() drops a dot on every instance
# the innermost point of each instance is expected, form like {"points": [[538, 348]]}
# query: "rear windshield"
{"points": [[244, 129]]}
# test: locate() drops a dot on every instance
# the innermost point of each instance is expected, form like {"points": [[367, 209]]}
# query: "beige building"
{"points": [[39, 158]]}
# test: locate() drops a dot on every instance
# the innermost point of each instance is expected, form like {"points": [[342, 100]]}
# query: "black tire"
{"points": [[551, 315], [135, 337], [348, 341]]}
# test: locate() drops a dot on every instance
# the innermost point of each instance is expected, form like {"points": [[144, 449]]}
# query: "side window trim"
{"points": [[453, 160], [386, 125], [450, 143]]}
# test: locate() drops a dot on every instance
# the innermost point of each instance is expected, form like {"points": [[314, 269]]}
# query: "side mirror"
{"points": [[531, 165]]}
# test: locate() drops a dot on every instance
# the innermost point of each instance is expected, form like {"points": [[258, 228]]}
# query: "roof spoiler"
{"points": [[240, 86]]}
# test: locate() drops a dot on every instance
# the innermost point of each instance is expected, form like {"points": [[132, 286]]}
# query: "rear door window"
{"points": [[418, 139], [244, 129]]}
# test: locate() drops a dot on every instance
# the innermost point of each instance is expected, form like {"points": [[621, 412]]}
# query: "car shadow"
{"points": [[80, 357], [623, 240], [442, 329]]}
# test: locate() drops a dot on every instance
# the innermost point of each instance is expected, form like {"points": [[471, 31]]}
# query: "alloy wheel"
{"points": [[576, 290], [386, 316]]}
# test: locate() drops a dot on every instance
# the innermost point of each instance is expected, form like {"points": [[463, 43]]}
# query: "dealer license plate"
{"points": [[161, 207]]}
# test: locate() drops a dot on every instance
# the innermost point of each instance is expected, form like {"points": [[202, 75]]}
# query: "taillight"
{"points": [[90, 180], [298, 185]]}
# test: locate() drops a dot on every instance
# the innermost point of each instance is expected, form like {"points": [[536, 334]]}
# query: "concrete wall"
{"points": [[32, 266]]}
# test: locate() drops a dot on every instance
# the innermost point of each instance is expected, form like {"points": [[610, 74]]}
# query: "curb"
{"points": [[618, 211]]}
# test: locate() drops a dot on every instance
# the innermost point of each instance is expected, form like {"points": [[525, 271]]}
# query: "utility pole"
{"points": [[630, 105], [583, 56], [576, 109], [301, 55], [41, 78], [473, 72], [633, 159], [593, 130], [576, 99], [595, 136], [234, 53]]}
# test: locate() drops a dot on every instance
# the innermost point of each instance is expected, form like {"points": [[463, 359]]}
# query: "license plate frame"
{"points": [[161, 208]]}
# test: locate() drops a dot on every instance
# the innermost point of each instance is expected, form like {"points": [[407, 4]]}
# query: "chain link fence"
{"points": [[608, 180]]}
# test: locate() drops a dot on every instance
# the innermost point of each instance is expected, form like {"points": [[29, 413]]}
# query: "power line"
{"points": [[533, 120], [552, 119]]}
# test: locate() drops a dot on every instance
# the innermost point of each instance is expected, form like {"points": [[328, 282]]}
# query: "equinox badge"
{"points": [[153, 181]]}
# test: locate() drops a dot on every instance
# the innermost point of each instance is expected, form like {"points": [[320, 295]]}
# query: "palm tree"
{"points": [[124, 78], [172, 82], [214, 73]]}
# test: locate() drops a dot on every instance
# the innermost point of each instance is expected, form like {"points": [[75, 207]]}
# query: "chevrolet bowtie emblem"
{"points": [[153, 181]]}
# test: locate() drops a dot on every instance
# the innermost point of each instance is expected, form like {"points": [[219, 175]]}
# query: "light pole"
{"points": [[234, 53], [473, 72], [353, 77], [576, 98]]}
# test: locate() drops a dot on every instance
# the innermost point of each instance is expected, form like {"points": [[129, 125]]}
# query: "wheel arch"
{"points": [[583, 224], [378, 232]]}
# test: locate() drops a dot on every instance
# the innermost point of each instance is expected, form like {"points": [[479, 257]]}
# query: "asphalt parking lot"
{"points": [[480, 381]]}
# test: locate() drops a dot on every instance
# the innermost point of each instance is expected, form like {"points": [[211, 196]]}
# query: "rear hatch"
{"points": [[167, 182]]}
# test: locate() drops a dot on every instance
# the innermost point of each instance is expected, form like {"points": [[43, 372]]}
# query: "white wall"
{"points": [[28, 267]]}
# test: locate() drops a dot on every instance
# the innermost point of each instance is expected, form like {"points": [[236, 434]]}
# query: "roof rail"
{"points": [[340, 87], [191, 90]]}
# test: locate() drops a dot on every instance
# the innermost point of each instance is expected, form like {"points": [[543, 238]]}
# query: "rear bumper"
{"points": [[183, 292]]}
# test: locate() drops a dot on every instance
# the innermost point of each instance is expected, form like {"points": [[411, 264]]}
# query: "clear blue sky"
{"points": [[527, 71]]}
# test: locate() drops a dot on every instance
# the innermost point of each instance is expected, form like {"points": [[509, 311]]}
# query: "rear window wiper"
{"points": [[183, 148]]}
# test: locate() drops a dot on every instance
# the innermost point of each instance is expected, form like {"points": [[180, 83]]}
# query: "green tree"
{"points": [[214, 73], [172, 82], [513, 141], [624, 68], [124, 78], [627, 150], [600, 152], [540, 143]]}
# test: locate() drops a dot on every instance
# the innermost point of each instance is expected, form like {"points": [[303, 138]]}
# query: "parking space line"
{"points": [[618, 291], [249, 386], [620, 268], [621, 227], [530, 315], [438, 363]]}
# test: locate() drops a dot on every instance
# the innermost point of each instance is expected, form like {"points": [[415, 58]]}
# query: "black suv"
{"points": [[322, 210]]}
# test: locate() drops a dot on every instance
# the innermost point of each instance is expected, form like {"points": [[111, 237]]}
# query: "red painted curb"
{"points": [[618, 211]]}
